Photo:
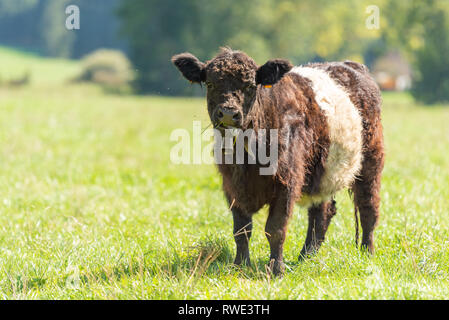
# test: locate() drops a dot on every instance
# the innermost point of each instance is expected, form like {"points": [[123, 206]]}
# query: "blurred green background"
{"points": [[408, 50]]}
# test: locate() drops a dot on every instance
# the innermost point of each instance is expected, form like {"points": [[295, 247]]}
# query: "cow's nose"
{"points": [[228, 117]]}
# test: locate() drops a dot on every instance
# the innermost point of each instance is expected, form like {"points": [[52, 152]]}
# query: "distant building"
{"points": [[392, 72]]}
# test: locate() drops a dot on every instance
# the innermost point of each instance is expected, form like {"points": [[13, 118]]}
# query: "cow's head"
{"points": [[232, 79]]}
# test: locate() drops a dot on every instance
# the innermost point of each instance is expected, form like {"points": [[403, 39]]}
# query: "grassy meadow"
{"points": [[92, 208]]}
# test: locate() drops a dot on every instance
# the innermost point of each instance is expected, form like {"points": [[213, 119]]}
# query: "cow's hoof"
{"points": [[307, 253], [368, 248], [242, 262], [276, 267]]}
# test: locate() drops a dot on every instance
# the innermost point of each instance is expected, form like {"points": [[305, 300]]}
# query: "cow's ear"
{"points": [[191, 68], [272, 71]]}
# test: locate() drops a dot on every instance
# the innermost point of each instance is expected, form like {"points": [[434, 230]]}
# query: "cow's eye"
{"points": [[209, 85]]}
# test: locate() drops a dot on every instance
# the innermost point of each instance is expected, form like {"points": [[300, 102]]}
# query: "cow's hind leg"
{"points": [[367, 194], [320, 216]]}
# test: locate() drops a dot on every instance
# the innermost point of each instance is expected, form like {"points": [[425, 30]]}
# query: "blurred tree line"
{"points": [[151, 31], [39, 26], [299, 30]]}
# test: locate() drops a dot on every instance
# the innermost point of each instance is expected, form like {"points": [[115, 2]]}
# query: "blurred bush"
{"points": [[109, 68], [431, 84], [20, 81]]}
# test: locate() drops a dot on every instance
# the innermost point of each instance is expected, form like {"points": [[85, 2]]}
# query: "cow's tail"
{"points": [[356, 218]]}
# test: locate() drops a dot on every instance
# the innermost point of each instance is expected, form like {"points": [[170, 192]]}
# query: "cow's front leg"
{"points": [[276, 228], [243, 226]]}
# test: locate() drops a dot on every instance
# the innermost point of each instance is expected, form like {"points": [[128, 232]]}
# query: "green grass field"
{"points": [[92, 208]]}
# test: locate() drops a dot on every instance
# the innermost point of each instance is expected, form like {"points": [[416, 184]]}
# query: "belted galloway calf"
{"points": [[328, 117]]}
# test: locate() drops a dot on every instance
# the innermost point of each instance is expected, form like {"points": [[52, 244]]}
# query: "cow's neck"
{"points": [[260, 115]]}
